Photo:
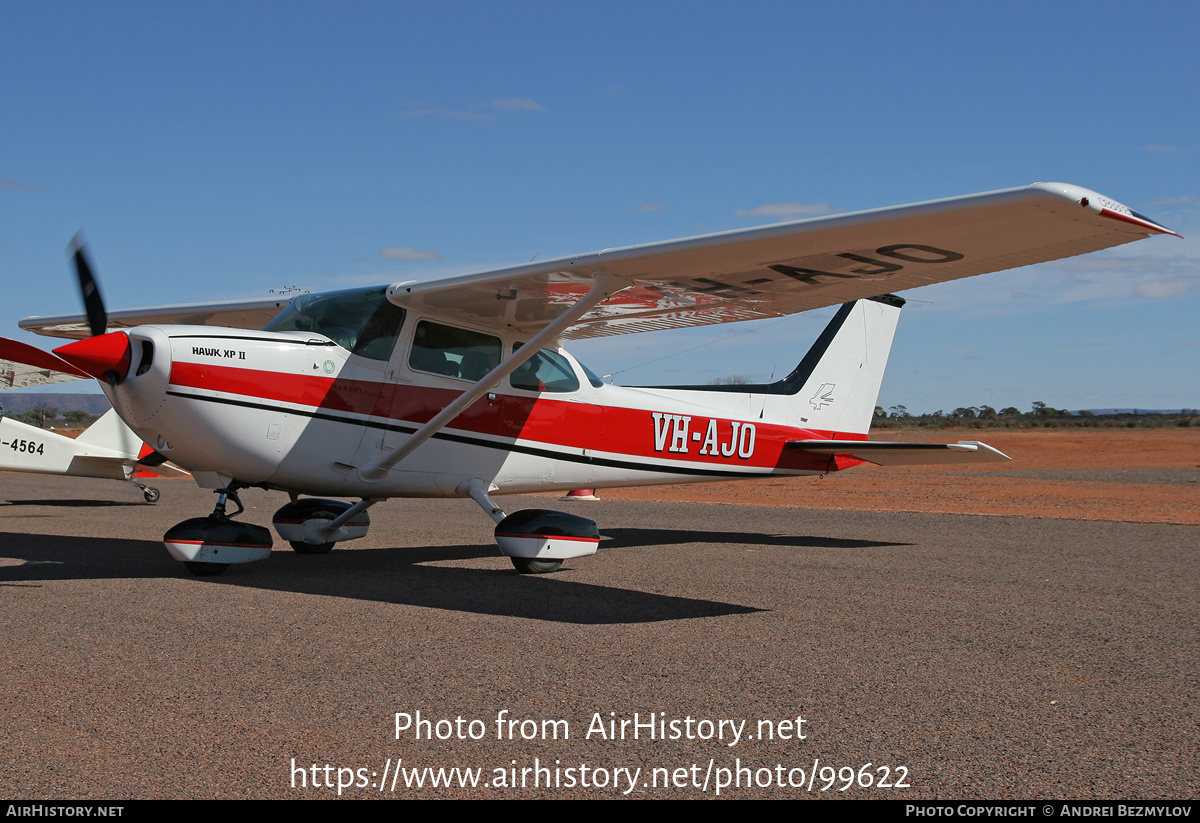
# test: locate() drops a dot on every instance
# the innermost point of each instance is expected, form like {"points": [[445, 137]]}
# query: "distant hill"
{"points": [[15, 403]]}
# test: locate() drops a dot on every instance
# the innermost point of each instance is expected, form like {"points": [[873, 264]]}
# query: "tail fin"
{"points": [[836, 386], [111, 432]]}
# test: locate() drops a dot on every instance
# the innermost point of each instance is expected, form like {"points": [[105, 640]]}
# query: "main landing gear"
{"points": [[309, 524], [209, 545], [536, 540]]}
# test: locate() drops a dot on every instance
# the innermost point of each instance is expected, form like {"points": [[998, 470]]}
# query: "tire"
{"points": [[151, 494], [311, 548], [529, 565], [205, 569], [300, 547]]}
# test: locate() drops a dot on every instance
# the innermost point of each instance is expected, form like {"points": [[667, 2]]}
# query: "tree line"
{"points": [[1039, 416], [45, 416]]}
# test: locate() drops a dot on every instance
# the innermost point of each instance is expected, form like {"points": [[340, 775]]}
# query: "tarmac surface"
{"points": [[944, 656]]}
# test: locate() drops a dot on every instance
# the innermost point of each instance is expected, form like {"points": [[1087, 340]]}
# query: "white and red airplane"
{"points": [[460, 388], [107, 449]]}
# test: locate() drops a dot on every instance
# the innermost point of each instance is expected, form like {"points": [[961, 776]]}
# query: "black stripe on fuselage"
{"points": [[476, 441]]}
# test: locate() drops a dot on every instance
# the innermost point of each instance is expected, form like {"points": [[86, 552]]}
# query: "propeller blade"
{"points": [[93, 303]]}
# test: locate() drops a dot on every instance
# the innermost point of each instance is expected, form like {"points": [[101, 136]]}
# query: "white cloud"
{"points": [[13, 185], [1181, 200], [447, 115], [517, 104], [405, 253], [786, 211], [649, 207], [1172, 287], [478, 112]]}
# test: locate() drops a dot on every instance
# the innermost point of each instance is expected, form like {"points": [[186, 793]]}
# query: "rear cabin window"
{"points": [[362, 321], [445, 350]]}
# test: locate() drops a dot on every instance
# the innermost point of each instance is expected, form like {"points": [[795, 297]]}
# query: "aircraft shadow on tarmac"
{"points": [[619, 538], [415, 576]]}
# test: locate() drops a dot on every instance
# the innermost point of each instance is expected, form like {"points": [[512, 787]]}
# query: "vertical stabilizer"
{"points": [[836, 386], [111, 432]]}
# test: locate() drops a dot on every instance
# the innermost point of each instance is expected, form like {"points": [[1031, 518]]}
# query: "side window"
{"points": [[453, 352], [546, 371]]}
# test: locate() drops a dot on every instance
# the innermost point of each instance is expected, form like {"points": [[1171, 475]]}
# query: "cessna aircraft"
{"points": [[459, 387], [107, 449]]}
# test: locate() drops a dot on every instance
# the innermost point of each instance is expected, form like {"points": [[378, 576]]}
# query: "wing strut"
{"points": [[603, 286]]}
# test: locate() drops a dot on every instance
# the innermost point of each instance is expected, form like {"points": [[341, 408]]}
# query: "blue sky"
{"points": [[219, 150]]}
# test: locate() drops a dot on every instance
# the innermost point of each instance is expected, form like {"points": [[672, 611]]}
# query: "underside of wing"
{"points": [[884, 453], [792, 267], [242, 314], [22, 365]]}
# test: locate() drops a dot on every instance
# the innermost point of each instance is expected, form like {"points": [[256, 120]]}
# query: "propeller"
{"points": [[104, 356], [93, 303]]}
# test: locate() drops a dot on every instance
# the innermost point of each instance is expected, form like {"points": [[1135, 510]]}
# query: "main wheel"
{"points": [[205, 569], [311, 548], [300, 547], [151, 494], [529, 565]]}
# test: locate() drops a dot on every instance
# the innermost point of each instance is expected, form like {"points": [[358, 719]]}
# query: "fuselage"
{"points": [[294, 410]]}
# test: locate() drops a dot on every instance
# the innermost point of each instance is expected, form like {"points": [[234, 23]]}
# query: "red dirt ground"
{"points": [[1140, 476]]}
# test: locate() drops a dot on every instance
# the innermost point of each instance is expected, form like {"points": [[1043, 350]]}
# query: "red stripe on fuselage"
{"points": [[542, 420]]}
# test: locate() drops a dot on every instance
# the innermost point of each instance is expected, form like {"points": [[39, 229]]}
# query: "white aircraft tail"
{"points": [[110, 432], [835, 387]]}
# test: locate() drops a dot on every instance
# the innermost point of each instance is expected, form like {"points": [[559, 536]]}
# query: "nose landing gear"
{"points": [[208, 545]]}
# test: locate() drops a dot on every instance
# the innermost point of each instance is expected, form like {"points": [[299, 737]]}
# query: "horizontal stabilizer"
{"points": [[888, 453]]}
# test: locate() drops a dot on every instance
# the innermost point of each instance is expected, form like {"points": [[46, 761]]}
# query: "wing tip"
{"points": [[1102, 206]]}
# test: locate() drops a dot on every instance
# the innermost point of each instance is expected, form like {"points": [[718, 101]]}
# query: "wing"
{"points": [[792, 267], [241, 314]]}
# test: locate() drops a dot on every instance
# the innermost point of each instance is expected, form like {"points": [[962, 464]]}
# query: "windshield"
{"points": [[362, 321]]}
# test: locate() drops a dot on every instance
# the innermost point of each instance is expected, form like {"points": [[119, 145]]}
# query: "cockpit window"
{"points": [[362, 321], [453, 352], [546, 371]]}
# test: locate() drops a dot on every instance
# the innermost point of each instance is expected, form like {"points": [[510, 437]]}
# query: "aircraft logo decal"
{"points": [[823, 397]]}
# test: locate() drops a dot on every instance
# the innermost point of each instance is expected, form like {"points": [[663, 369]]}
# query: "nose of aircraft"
{"points": [[105, 356]]}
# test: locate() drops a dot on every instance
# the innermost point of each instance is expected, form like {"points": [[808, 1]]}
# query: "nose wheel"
{"points": [[208, 545]]}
